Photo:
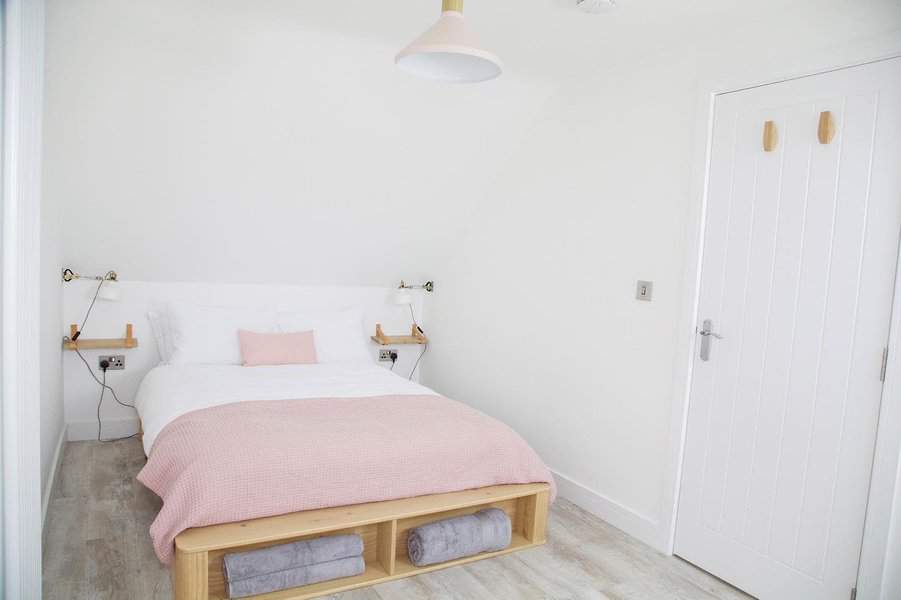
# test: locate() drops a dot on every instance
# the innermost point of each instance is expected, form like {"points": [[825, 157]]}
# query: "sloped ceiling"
{"points": [[185, 136], [274, 140]]}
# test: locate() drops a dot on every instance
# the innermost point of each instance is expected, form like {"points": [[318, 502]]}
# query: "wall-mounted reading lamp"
{"points": [[69, 275], [106, 290], [404, 297], [428, 286]]}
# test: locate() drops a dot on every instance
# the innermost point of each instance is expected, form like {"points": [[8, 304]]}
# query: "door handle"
{"points": [[706, 332]]}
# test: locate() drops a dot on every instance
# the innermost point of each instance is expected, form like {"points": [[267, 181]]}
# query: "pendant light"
{"points": [[449, 51]]}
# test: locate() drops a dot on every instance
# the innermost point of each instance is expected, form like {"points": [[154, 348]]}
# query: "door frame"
{"points": [[22, 24], [885, 484]]}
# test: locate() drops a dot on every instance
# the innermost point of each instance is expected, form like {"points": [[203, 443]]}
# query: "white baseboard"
{"points": [[637, 525], [112, 428], [53, 475]]}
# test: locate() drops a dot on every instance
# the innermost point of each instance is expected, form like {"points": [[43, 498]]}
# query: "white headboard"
{"points": [[108, 320]]}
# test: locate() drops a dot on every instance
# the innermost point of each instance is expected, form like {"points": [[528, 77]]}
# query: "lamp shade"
{"points": [[449, 51], [110, 291], [403, 297]]}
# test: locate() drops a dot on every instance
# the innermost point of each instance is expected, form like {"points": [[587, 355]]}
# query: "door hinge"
{"points": [[854, 593], [884, 364]]}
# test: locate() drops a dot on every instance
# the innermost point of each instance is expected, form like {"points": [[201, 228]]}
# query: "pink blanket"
{"points": [[257, 459]]}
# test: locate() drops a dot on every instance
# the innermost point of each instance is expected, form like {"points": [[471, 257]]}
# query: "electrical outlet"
{"points": [[387, 355], [116, 361]]}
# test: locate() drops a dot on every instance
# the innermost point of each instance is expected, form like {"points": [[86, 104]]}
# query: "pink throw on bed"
{"points": [[257, 459]]}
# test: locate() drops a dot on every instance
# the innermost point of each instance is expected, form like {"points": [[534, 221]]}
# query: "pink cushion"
{"points": [[298, 348]]}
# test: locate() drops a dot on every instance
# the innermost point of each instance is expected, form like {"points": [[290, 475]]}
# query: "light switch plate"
{"points": [[644, 290]]}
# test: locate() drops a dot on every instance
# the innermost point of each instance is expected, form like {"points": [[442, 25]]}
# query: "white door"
{"points": [[799, 260]]}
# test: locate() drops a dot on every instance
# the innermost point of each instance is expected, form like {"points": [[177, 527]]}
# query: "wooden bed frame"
{"points": [[382, 525]]}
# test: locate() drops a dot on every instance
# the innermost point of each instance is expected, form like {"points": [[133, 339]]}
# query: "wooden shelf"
{"points": [[415, 337], [384, 527], [129, 341]]}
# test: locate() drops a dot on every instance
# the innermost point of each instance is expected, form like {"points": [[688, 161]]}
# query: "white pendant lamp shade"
{"points": [[450, 51]]}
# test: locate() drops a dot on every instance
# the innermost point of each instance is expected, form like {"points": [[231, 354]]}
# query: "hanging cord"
{"points": [[100, 438], [413, 316], [421, 354], [424, 348], [93, 300], [103, 387]]}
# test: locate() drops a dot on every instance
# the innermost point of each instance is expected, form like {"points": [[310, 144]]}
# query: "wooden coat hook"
{"points": [[770, 136], [826, 127]]}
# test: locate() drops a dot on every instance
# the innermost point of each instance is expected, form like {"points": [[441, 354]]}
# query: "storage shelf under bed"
{"points": [[382, 525]]}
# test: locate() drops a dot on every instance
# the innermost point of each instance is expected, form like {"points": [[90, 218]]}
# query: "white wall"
{"points": [[540, 295], [536, 320], [51, 324], [235, 142], [52, 414], [137, 298]]}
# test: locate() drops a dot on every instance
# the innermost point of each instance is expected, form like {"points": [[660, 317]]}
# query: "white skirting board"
{"points": [[623, 518], [112, 428], [53, 475]]}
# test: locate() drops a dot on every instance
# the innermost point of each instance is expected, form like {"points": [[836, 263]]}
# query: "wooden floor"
{"points": [[97, 547]]}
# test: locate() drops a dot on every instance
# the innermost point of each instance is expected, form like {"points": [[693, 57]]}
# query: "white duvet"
{"points": [[169, 391]]}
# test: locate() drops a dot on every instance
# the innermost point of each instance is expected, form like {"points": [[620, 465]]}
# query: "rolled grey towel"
{"points": [[241, 565], [289, 578], [488, 530]]}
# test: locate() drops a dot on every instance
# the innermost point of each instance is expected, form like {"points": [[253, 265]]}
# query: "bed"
{"points": [[247, 457]]}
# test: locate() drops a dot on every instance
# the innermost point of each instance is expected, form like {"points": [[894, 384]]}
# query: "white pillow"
{"points": [[159, 325], [209, 336], [339, 335]]}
